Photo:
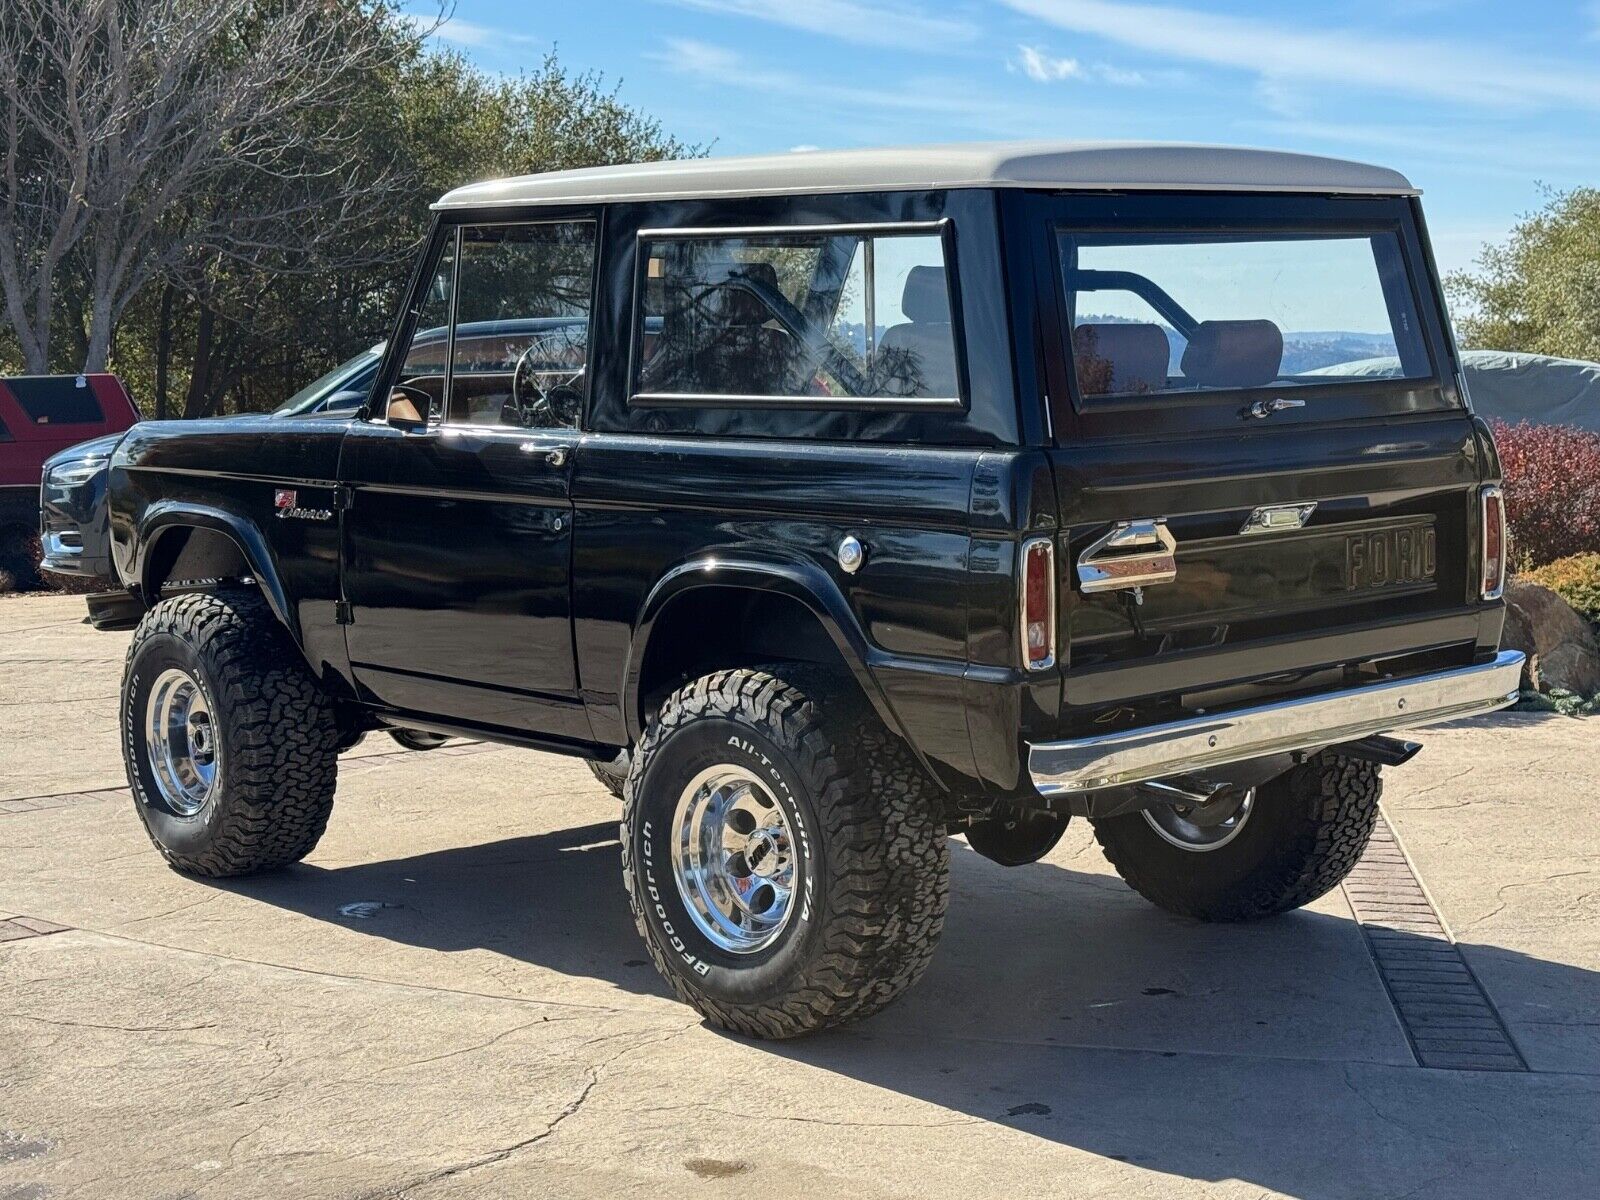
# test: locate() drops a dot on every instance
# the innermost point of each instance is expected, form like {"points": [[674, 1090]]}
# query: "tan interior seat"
{"points": [[919, 356], [1116, 358], [1233, 354]]}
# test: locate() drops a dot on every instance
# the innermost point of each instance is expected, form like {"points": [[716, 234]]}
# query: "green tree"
{"points": [[259, 280], [1540, 291]]}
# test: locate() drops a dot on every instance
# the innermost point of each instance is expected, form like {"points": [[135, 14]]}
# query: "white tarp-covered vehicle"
{"points": [[1512, 387]]}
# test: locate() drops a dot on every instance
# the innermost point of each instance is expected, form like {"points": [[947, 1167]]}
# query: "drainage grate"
{"points": [[1443, 1008], [14, 929]]}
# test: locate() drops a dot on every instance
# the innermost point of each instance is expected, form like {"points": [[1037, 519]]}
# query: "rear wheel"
{"points": [[782, 852], [1253, 853], [231, 748]]}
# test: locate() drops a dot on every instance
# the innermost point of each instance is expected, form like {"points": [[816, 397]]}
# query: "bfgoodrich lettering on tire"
{"points": [[782, 853], [230, 746]]}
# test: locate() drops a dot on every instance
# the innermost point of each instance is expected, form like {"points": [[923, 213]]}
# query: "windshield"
{"points": [[319, 389]]}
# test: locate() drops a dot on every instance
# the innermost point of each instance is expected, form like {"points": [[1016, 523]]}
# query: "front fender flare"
{"points": [[802, 581], [165, 516]]}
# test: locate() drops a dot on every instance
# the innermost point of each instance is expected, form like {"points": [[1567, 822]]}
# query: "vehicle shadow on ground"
{"points": [[1060, 1005]]}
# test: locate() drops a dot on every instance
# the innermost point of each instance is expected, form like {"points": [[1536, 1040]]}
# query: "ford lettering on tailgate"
{"points": [[1378, 558]]}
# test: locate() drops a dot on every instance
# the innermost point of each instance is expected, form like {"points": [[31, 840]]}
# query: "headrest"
{"points": [[1233, 354], [1114, 358], [925, 297], [741, 306]]}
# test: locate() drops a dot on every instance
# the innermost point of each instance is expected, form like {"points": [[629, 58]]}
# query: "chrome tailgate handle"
{"points": [[1134, 554]]}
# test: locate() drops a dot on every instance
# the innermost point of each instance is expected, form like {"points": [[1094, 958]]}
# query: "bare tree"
{"points": [[150, 138]]}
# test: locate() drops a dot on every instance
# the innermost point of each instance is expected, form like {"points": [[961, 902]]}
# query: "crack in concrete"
{"points": [[349, 978], [1501, 891], [595, 1074], [699, 1106], [496, 1039], [114, 1028], [211, 898]]}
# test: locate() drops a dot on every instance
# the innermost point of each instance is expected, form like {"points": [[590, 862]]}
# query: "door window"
{"points": [[520, 346], [418, 393]]}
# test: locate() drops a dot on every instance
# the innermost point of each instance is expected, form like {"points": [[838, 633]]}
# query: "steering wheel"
{"points": [[554, 403]]}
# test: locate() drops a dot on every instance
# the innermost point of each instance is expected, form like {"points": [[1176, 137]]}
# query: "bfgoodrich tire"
{"points": [[1302, 834], [231, 748], [756, 783]]}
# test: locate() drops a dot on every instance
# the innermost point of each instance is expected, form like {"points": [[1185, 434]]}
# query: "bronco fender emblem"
{"points": [[285, 502]]}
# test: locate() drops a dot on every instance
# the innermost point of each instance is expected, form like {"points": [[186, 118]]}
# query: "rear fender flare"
{"points": [[801, 581]]}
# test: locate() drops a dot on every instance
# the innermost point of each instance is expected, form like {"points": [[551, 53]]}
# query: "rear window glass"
{"points": [[57, 401], [796, 316], [1154, 313]]}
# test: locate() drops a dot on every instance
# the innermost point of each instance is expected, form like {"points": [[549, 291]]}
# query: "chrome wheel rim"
{"points": [[1205, 826], [181, 742], [734, 860]]}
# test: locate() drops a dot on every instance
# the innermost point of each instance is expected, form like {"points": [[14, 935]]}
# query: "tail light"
{"points": [[1495, 549], [1038, 617]]}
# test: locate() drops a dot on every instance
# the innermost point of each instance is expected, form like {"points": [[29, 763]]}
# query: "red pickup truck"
{"points": [[39, 415]]}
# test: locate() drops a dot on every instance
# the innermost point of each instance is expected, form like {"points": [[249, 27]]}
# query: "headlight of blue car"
{"points": [[74, 471]]}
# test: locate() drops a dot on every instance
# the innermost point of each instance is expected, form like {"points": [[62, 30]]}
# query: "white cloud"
{"points": [[1042, 67], [923, 103], [462, 33], [804, 148], [1371, 60], [883, 23]]}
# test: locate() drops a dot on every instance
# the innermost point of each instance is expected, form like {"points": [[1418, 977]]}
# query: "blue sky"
{"points": [[1478, 101]]}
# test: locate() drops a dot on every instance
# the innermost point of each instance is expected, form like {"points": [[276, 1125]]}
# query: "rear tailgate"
{"points": [[1306, 523], [1382, 566]]}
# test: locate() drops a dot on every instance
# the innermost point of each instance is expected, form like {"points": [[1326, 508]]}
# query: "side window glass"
{"points": [[522, 325], [796, 316], [418, 394]]}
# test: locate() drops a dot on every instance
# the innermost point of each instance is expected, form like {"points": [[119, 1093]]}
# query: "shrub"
{"points": [[1576, 580], [1552, 482]]}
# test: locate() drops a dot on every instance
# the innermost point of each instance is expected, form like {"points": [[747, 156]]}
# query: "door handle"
{"points": [[556, 457], [1262, 409], [1135, 554]]}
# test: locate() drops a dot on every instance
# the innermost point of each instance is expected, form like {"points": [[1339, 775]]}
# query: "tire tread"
{"points": [[888, 859], [280, 748]]}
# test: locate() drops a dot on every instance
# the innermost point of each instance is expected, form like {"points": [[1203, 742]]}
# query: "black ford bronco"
{"points": [[835, 503]]}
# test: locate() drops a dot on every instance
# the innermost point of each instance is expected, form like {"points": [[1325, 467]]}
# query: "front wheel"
{"points": [[1254, 853], [782, 852], [231, 748]]}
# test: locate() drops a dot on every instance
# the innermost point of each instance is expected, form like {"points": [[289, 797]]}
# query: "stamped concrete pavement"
{"points": [[448, 999]]}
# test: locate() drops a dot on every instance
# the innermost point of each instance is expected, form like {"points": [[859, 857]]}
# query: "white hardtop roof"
{"points": [[1096, 166]]}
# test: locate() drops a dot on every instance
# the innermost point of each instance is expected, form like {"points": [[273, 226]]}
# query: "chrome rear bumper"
{"points": [[1196, 744]]}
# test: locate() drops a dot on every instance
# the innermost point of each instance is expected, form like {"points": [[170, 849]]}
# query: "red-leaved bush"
{"points": [[1552, 482]]}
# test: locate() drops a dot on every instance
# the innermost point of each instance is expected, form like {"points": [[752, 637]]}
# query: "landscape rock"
{"points": [[1561, 647]]}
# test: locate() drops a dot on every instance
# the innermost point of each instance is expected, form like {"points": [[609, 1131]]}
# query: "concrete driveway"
{"points": [[448, 999]]}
